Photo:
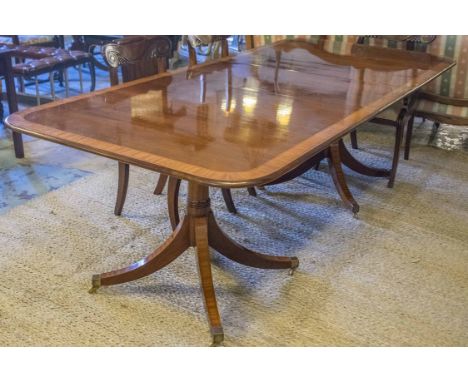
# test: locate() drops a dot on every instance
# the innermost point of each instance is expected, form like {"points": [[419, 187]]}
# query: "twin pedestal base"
{"points": [[198, 228]]}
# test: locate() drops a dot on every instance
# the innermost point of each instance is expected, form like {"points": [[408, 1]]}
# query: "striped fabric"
{"points": [[453, 83], [338, 44], [394, 42], [436, 108], [260, 40]]}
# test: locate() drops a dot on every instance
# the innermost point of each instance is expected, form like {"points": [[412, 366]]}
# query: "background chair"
{"points": [[136, 57], [400, 114], [445, 100]]}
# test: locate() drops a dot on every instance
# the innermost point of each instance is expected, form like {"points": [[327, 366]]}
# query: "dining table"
{"points": [[248, 120]]}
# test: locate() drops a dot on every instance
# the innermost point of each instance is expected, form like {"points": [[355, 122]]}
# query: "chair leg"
{"points": [[52, 87], [251, 191], [161, 184], [173, 187], [38, 98], [409, 135], [67, 83], [353, 135], [80, 74], [317, 165], [396, 153], [124, 169], [92, 72], [228, 200]]}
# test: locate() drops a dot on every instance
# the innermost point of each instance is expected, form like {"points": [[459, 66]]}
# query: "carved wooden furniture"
{"points": [[262, 138], [217, 46], [93, 44], [445, 100], [88, 43], [137, 57]]}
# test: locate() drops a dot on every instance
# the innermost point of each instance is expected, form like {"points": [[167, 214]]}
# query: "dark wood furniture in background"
{"points": [[89, 43], [31, 61], [245, 146], [6, 54]]}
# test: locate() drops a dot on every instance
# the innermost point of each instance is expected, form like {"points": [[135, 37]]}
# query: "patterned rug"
{"points": [[395, 276]]}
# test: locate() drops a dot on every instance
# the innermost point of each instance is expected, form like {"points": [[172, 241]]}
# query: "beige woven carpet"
{"points": [[398, 275]]}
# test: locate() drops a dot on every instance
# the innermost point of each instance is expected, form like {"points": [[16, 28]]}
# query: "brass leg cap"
{"points": [[218, 336], [294, 265], [355, 209], [96, 284]]}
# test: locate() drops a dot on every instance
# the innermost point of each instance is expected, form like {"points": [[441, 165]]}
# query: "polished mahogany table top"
{"points": [[239, 121]]}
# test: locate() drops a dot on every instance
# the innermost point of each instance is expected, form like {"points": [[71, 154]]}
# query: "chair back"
{"points": [[137, 57], [218, 46], [254, 41], [454, 83]]}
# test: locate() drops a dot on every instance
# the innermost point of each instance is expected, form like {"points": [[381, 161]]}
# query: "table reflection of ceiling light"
{"points": [[224, 106], [252, 84], [249, 103], [147, 106], [283, 113]]}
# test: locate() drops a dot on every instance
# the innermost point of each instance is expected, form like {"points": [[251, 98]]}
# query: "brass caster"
{"points": [[96, 284], [218, 337], [293, 267]]}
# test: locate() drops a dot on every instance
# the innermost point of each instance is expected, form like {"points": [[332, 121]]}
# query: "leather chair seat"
{"points": [[37, 66], [47, 59]]}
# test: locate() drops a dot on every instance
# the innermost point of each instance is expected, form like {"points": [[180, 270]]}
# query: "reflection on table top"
{"points": [[240, 120]]}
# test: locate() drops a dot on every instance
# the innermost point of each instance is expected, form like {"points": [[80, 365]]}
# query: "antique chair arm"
{"points": [[463, 102]]}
